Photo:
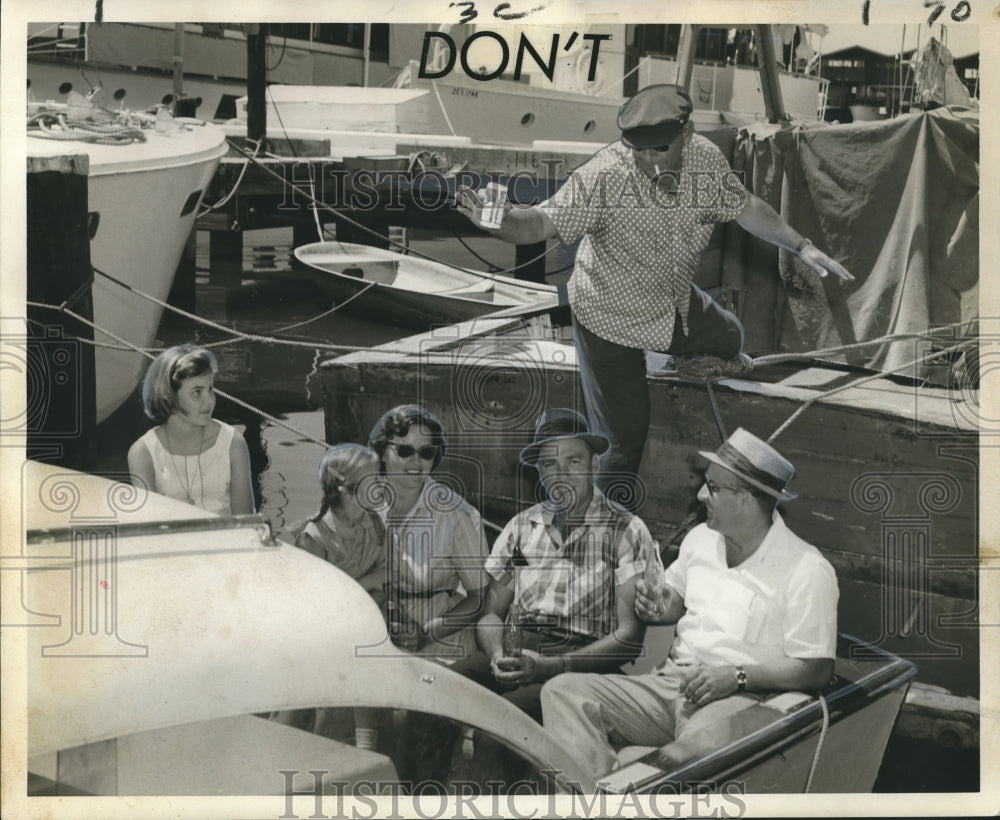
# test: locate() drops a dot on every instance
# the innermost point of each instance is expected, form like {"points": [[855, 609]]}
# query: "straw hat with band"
{"points": [[756, 462]]}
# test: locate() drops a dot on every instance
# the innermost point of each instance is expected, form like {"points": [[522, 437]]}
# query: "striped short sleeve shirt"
{"points": [[569, 584]]}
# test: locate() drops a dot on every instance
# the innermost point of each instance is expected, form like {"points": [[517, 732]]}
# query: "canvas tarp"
{"points": [[895, 201]]}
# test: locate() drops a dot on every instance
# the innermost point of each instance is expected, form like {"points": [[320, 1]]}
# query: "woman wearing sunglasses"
{"points": [[437, 546]]}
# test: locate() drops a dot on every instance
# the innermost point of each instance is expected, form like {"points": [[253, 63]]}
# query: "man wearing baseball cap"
{"points": [[755, 609], [643, 210]]}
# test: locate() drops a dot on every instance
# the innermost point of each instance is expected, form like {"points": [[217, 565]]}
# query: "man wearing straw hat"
{"points": [[755, 608], [643, 210]]}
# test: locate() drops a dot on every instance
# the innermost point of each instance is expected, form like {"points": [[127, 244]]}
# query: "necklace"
{"points": [[187, 482]]}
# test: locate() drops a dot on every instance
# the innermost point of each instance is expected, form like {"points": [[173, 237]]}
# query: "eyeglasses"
{"points": [[662, 149], [427, 452], [715, 489]]}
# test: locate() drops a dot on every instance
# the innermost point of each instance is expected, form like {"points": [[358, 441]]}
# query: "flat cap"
{"points": [[654, 116]]}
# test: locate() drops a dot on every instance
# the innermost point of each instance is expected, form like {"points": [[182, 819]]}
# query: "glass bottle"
{"points": [[653, 575], [511, 640]]}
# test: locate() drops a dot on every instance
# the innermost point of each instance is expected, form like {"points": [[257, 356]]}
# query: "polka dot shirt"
{"points": [[640, 242]]}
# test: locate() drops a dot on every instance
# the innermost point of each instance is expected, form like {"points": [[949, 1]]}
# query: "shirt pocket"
{"points": [[757, 617], [734, 605]]}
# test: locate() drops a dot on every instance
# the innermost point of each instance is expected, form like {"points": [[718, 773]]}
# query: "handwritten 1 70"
{"points": [[960, 13]]}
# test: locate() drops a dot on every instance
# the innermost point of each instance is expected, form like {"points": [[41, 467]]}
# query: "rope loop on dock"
{"points": [[56, 126]]}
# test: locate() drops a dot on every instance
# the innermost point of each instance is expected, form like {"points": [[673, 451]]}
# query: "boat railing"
{"points": [[207, 524], [722, 750]]}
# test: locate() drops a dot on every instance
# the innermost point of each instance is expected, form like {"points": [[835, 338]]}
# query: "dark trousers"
{"points": [[426, 743], [615, 394]]}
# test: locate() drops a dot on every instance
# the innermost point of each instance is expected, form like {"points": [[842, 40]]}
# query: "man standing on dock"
{"points": [[644, 209], [755, 608]]}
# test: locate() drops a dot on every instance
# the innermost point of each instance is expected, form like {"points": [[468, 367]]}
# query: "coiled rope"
{"points": [[55, 126]]}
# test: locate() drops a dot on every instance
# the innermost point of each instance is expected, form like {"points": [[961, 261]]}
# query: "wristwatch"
{"points": [[741, 679]]}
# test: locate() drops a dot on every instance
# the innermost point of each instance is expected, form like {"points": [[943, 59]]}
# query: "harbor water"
{"points": [[294, 327]]}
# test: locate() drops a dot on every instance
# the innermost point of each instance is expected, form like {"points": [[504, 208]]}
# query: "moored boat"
{"points": [[409, 290], [161, 633]]}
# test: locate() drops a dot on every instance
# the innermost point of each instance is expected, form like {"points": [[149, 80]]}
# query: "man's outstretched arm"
{"points": [[520, 226], [763, 221]]}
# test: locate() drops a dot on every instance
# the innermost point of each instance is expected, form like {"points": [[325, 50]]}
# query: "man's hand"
{"points": [[703, 684], [472, 203], [406, 634], [650, 609], [530, 667], [823, 264]]}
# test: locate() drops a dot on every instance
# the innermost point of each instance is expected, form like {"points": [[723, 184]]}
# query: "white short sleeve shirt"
{"points": [[780, 602]]}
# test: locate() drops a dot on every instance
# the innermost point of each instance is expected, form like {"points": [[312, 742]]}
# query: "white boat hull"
{"points": [[143, 195], [412, 291]]}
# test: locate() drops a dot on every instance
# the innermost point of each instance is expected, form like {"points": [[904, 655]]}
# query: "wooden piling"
{"points": [[61, 397]]}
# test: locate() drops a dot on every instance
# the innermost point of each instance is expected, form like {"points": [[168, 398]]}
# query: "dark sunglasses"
{"points": [[426, 452]]}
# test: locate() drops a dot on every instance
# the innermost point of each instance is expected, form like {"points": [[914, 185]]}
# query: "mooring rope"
{"points": [[776, 358], [237, 334], [712, 368], [824, 726], [412, 251], [135, 349], [236, 185], [858, 382]]}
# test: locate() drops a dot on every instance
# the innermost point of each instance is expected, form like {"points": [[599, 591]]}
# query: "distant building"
{"points": [[881, 83]]}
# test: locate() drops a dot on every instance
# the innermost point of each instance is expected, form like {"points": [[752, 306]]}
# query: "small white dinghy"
{"points": [[407, 290]]}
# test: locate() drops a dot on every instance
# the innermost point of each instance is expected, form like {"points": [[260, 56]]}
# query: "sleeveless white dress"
{"points": [[203, 481]]}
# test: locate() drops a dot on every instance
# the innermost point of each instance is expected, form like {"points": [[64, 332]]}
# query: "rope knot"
{"points": [[704, 367]]}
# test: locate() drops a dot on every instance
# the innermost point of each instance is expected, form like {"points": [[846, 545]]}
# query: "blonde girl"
{"points": [[347, 533]]}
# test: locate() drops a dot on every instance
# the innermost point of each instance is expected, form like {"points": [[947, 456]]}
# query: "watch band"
{"points": [[741, 679]]}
